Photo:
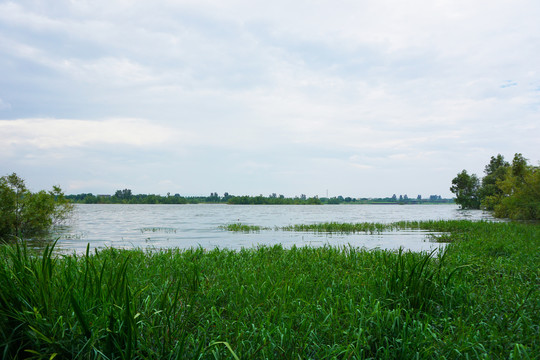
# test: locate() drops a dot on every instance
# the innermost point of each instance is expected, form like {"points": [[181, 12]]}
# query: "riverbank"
{"points": [[478, 298]]}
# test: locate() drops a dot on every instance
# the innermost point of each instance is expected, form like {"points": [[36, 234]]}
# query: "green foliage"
{"points": [[126, 197], [334, 227], [495, 172], [272, 200], [476, 300], [443, 227], [25, 214], [466, 187], [520, 191], [239, 227], [123, 194], [512, 191], [418, 281]]}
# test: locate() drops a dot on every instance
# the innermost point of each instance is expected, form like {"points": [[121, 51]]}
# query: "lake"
{"points": [[187, 226]]}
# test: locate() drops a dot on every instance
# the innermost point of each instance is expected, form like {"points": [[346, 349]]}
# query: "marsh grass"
{"points": [[333, 227], [239, 227], [478, 298], [443, 226], [166, 230]]}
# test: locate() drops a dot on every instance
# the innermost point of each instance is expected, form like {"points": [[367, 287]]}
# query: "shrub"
{"points": [[24, 213]]}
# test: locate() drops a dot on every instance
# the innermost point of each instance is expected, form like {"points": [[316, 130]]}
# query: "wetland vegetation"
{"points": [[477, 298], [360, 227]]}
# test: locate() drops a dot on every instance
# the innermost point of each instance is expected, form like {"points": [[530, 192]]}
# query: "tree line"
{"points": [[127, 197], [510, 190]]}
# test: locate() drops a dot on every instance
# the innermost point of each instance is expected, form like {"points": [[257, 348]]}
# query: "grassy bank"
{"points": [[479, 299]]}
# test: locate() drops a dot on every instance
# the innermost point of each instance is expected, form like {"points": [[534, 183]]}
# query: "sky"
{"points": [[352, 98]]}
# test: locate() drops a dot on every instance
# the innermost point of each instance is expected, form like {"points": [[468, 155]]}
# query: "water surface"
{"points": [[186, 226]]}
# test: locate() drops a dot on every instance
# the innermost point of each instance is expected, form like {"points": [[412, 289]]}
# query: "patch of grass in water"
{"points": [[155, 229], [239, 227], [333, 227], [449, 228]]}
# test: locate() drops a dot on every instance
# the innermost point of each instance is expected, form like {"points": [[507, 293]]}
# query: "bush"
{"points": [[511, 190], [25, 214]]}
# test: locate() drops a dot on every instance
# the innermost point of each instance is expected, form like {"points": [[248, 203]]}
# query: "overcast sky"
{"points": [[357, 98]]}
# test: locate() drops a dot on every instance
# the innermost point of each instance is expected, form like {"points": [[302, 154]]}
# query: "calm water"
{"points": [[185, 226]]}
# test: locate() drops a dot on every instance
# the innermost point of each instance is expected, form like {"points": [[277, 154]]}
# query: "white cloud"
{"points": [[112, 71], [269, 87], [67, 133]]}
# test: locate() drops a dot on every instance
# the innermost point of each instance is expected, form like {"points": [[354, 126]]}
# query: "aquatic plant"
{"points": [[476, 299], [239, 227], [166, 230], [333, 227], [441, 226]]}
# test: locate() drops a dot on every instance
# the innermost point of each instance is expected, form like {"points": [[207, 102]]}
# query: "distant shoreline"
{"points": [[126, 197], [223, 203]]}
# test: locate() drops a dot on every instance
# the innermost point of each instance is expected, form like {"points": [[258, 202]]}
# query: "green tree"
{"points": [[24, 214], [495, 171], [466, 188], [123, 195], [520, 190]]}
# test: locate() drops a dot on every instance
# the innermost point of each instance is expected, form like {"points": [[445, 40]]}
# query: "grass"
{"points": [[165, 230], [478, 298], [332, 227], [455, 226], [239, 227]]}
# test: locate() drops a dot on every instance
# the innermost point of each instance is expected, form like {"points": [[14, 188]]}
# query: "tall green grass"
{"points": [[478, 298]]}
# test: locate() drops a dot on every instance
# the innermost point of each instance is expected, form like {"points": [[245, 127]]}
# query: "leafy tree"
{"points": [[512, 191], [520, 188], [25, 214], [313, 201], [466, 188], [333, 201], [495, 171], [214, 197], [520, 167], [125, 194]]}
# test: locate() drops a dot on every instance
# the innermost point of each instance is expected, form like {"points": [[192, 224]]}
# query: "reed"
{"points": [[166, 230], [239, 227], [443, 226], [333, 227], [478, 298]]}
